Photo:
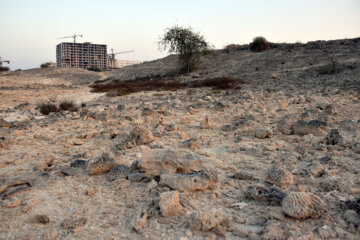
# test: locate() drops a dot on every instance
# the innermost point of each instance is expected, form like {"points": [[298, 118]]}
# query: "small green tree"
{"points": [[187, 43]]}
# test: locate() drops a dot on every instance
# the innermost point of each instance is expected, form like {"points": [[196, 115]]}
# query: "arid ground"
{"points": [[276, 155]]}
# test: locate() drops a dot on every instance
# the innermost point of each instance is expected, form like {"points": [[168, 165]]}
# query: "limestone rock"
{"points": [[262, 133], [141, 135], [279, 176], [159, 161], [79, 164], [286, 125], [314, 127], [212, 220], [243, 175], [303, 205], [266, 194], [192, 143], [171, 127], [190, 182], [333, 137], [101, 164], [274, 230], [11, 203], [169, 204], [117, 172]]}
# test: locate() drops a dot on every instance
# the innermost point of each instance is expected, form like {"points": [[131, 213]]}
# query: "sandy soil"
{"points": [[278, 171]]}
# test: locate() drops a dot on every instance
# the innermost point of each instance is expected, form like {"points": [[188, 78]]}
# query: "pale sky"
{"points": [[30, 28]]}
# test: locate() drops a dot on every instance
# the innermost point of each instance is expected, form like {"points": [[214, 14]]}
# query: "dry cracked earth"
{"points": [[277, 159]]}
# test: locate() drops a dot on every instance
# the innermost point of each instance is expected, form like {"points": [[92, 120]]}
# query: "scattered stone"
{"points": [[228, 128], [79, 164], [149, 112], [101, 164], [43, 219], [205, 124], [192, 143], [317, 170], [279, 176], [169, 204], [16, 185], [159, 161], [352, 216], [266, 194], [243, 175], [73, 223], [153, 184], [314, 127], [286, 125], [126, 144], [67, 171], [240, 205], [120, 107], [138, 177], [4, 124], [275, 230], [325, 159], [333, 137], [211, 220], [262, 133], [117, 172], [303, 205], [11, 203], [90, 192], [141, 135], [190, 182], [171, 127], [219, 106]]}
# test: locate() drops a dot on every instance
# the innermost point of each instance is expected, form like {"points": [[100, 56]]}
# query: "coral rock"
{"points": [[169, 204], [303, 205], [101, 164], [190, 182], [159, 161], [279, 176]]}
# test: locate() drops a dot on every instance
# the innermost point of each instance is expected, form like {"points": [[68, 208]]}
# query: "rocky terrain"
{"points": [[277, 159]]}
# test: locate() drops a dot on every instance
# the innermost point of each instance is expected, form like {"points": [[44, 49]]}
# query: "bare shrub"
{"points": [[259, 44], [68, 105], [47, 108]]}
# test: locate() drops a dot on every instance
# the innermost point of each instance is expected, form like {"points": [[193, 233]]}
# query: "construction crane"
{"points": [[112, 54], [73, 36], [3, 61]]}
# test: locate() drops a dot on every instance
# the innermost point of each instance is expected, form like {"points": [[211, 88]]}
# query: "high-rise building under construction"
{"points": [[82, 55]]}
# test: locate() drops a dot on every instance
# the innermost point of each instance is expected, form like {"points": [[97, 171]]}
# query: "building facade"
{"points": [[82, 55]]}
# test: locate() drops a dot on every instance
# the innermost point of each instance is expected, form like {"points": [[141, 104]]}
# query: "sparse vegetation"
{"points": [[187, 43], [121, 88], [47, 108], [331, 68], [4, 69], [68, 105], [259, 44], [45, 65]]}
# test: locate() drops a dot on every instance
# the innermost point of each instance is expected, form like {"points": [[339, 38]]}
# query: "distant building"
{"points": [[82, 55]]}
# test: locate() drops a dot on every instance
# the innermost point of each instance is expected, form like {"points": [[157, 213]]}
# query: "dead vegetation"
{"points": [[121, 88], [47, 108]]}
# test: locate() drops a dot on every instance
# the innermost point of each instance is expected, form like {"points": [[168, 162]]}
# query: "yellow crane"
{"points": [[73, 36]]}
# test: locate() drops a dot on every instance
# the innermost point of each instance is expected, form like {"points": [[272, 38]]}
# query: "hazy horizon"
{"points": [[31, 28]]}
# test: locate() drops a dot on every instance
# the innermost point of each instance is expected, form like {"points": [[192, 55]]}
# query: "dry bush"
{"points": [[47, 108], [259, 44], [68, 105], [121, 88]]}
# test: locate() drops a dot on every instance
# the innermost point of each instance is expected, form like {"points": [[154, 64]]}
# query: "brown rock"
{"points": [[262, 133], [190, 182], [43, 219], [205, 124], [159, 161], [279, 176], [101, 164], [286, 125], [141, 135], [169, 204], [11, 203]]}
